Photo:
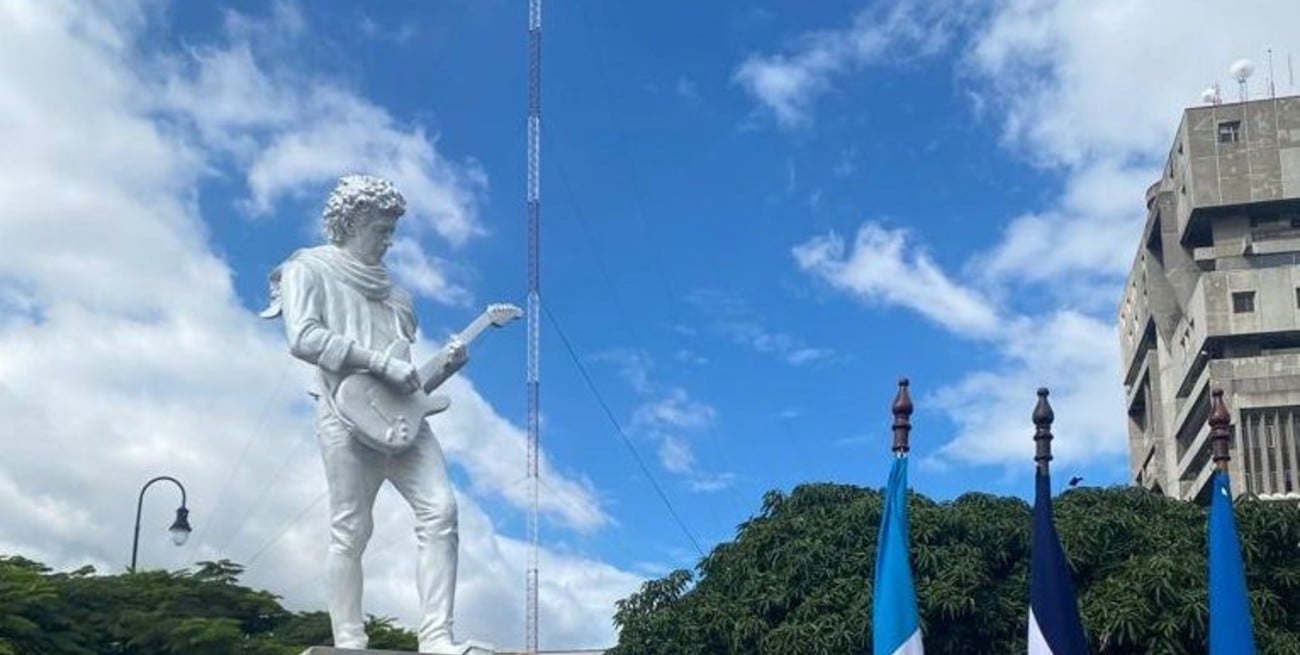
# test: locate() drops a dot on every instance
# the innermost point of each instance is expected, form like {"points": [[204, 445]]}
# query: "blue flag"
{"points": [[895, 619], [1230, 628], [1054, 625]]}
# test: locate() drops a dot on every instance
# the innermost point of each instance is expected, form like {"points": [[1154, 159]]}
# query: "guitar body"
{"points": [[389, 421], [382, 418]]}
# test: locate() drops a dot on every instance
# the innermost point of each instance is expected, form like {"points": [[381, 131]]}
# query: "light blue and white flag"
{"points": [[1054, 625], [895, 619], [1230, 627]]}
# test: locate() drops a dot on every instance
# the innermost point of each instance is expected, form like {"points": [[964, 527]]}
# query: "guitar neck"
{"points": [[475, 328], [435, 365]]}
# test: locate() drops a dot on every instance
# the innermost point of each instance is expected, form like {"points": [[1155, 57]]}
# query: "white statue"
{"points": [[343, 314]]}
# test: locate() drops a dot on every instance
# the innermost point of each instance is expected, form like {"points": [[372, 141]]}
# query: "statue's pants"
{"points": [[354, 473]]}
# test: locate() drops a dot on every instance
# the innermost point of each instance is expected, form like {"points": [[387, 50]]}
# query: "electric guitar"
{"points": [[387, 420]]}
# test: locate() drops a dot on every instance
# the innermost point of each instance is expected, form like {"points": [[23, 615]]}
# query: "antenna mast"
{"points": [[1241, 70], [1272, 89], [1290, 73], [534, 195]]}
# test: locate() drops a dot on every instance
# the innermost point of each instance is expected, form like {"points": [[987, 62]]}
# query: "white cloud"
{"points": [[1073, 354], [294, 132], [1101, 207], [704, 482], [878, 268], [733, 318], [634, 366], [424, 275], [675, 410], [1080, 80], [676, 455], [128, 354], [1077, 358], [787, 84], [800, 356], [1082, 88], [399, 35], [1086, 87], [688, 356], [666, 417]]}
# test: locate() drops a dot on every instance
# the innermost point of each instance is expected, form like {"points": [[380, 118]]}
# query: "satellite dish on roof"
{"points": [[1241, 71], [1211, 95]]}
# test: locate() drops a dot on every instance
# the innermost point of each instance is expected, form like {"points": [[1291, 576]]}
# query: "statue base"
{"points": [[330, 650]]}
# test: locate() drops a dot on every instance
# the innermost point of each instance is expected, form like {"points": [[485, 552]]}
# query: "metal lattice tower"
{"points": [[534, 305]]}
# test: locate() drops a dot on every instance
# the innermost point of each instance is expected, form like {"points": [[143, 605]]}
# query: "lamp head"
{"points": [[181, 527]]}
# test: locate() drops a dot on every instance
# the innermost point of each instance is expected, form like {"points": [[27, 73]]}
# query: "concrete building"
{"points": [[1213, 300]]}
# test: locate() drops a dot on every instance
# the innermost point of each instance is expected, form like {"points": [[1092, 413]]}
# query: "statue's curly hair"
{"points": [[357, 196]]}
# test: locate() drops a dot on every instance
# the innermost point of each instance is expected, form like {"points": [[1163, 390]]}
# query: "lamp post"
{"points": [[180, 528]]}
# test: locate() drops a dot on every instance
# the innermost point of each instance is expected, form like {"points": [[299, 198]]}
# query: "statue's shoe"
{"points": [[469, 647]]}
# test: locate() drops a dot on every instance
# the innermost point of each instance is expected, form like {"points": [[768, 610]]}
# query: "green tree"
{"points": [[200, 612], [797, 579], [31, 616]]}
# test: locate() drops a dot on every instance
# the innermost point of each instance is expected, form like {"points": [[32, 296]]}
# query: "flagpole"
{"points": [[1220, 431], [1231, 629], [1055, 627], [902, 419], [895, 615], [1043, 417]]}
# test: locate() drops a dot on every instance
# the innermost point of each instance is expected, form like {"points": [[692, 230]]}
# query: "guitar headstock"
{"points": [[502, 313]]}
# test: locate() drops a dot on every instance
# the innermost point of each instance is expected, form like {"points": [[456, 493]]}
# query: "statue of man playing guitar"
{"points": [[343, 314]]}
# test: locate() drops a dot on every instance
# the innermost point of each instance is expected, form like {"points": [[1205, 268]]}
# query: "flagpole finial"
{"points": [[1220, 429], [1043, 417], [902, 417]]}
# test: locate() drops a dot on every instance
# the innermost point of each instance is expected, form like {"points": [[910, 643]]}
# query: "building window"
{"points": [[1270, 437], [1254, 463], [1297, 298], [1243, 302], [1287, 458], [1229, 131]]}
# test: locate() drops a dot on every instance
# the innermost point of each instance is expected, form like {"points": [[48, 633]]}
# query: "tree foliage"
{"points": [[797, 579], [204, 611]]}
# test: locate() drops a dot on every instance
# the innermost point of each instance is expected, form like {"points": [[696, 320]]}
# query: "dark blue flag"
{"points": [[1054, 625]]}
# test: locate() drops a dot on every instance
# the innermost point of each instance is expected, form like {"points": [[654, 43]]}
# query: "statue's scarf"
{"points": [[371, 280]]}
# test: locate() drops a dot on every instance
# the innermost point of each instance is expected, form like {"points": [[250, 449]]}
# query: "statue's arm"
{"points": [[302, 300], [302, 303]]}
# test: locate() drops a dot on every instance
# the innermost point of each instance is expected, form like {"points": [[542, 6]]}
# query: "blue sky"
{"points": [[756, 217]]}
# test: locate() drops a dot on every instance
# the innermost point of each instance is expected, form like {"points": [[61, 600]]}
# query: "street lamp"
{"points": [[180, 529]]}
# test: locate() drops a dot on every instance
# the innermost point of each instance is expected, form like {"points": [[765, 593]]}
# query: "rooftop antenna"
{"points": [[1241, 70], [1290, 73], [1211, 95], [1272, 90]]}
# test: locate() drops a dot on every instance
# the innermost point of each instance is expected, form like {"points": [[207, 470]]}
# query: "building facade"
{"points": [[1213, 300]]}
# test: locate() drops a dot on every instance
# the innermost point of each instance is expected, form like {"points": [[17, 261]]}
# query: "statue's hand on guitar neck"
{"points": [[445, 364], [457, 353]]}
